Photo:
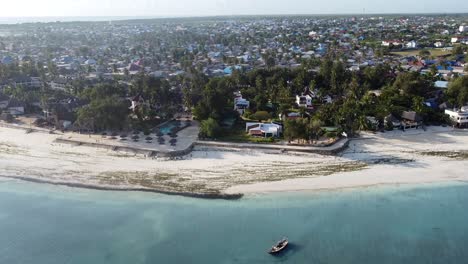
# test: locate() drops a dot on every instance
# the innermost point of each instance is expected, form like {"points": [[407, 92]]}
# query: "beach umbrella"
{"points": [[123, 136], [114, 134], [135, 137], [113, 137], [173, 141], [173, 135], [104, 134], [149, 138], [136, 132]]}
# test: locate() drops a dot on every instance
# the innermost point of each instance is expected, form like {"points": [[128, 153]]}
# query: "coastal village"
{"points": [[175, 88]]}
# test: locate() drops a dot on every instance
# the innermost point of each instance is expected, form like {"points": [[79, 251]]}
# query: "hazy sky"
{"points": [[15, 8]]}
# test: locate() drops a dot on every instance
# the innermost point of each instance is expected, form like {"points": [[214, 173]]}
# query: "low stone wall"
{"points": [[25, 128], [140, 151], [330, 150]]}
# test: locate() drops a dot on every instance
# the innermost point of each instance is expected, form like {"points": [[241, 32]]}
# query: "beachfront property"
{"points": [[264, 129], [458, 116], [411, 119], [11, 105]]}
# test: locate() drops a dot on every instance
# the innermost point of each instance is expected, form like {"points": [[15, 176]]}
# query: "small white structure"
{"points": [[441, 84], [463, 29], [411, 45], [439, 44], [304, 101], [327, 99], [459, 116], [264, 129]]}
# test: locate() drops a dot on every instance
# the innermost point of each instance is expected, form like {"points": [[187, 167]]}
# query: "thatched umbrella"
{"points": [[173, 135], [136, 132], [135, 137], [123, 136], [114, 134], [172, 141], [113, 137], [149, 138], [104, 134]]}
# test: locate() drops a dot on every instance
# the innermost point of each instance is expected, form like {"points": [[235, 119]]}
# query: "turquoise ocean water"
{"points": [[45, 224]]}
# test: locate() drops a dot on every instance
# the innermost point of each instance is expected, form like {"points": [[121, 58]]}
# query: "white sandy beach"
{"points": [[389, 158]]}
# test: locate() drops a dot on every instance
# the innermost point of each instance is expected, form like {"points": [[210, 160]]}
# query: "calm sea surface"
{"points": [[44, 224]]}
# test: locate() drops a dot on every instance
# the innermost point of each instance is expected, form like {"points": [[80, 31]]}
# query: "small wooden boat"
{"points": [[280, 246]]}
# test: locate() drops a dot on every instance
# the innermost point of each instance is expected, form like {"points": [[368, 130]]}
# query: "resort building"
{"points": [[458, 116], [264, 130]]}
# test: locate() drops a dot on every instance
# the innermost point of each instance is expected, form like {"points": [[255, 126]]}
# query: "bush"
{"points": [[209, 129], [331, 134], [389, 126], [247, 113], [261, 115]]}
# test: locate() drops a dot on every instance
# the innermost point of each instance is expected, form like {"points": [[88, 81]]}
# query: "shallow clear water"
{"points": [[45, 224]]}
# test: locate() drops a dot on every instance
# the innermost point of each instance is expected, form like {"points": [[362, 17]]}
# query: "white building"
{"points": [[304, 101], [459, 116], [264, 130], [463, 29], [411, 45], [439, 44], [240, 104]]}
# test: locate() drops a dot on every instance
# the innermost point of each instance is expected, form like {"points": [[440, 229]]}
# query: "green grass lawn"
{"points": [[434, 52]]}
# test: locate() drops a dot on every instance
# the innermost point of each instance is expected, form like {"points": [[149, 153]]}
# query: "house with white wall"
{"points": [[458, 116], [263, 129]]}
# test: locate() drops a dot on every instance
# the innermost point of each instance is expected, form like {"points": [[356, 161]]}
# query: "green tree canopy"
{"points": [[209, 128]]}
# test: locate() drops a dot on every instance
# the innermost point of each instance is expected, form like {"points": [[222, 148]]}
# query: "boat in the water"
{"points": [[280, 246]]}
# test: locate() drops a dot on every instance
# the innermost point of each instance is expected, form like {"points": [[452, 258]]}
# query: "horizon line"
{"points": [[70, 19]]}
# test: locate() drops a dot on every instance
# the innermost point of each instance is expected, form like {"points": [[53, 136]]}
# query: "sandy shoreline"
{"points": [[396, 157]]}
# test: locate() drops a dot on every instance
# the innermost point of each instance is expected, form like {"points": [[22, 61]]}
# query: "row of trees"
{"points": [[272, 92]]}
